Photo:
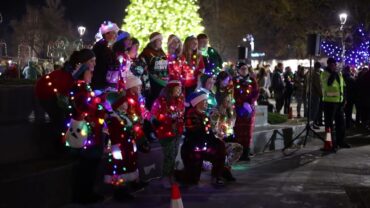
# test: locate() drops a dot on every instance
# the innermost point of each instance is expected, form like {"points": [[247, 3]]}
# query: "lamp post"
{"points": [[81, 30], [343, 19]]}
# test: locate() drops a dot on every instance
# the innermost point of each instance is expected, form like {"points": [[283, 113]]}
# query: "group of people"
{"points": [[115, 101]]}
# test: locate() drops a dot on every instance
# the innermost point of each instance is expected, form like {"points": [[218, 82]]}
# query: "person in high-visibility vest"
{"points": [[333, 99]]}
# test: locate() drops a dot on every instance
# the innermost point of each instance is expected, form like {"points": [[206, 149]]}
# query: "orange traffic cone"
{"points": [[290, 113], [176, 201], [328, 144]]}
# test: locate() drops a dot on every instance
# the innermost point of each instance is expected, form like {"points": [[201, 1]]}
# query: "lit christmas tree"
{"points": [[179, 17]]}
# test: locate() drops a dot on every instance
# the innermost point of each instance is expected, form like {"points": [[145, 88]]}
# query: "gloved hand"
{"points": [[116, 152], [155, 122]]}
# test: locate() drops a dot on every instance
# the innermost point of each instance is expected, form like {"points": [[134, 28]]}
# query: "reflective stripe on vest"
{"points": [[333, 93]]}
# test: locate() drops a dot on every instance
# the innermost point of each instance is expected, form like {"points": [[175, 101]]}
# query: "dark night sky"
{"points": [[79, 12]]}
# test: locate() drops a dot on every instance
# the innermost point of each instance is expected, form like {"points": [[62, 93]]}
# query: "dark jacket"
{"points": [[105, 60], [277, 83]]}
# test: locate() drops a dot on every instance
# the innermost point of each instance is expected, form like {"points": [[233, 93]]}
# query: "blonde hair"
{"points": [[172, 38]]}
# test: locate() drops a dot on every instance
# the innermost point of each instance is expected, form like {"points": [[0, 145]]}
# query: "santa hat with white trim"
{"points": [[108, 27], [132, 81], [196, 97]]}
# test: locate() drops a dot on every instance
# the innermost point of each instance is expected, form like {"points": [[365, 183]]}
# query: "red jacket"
{"points": [[192, 70], [135, 112], [84, 105], [170, 115], [245, 90], [58, 81]]}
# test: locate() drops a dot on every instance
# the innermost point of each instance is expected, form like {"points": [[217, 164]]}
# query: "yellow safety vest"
{"points": [[333, 93]]}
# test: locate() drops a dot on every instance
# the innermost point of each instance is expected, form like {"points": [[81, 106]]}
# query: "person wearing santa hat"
{"points": [[105, 57], [200, 142], [156, 65], [245, 95], [127, 137], [168, 120], [175, 61]]}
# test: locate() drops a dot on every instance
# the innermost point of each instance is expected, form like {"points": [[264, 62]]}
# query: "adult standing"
{"points": [[316, 92], [288, 79], [156, 65], [245, 95], [105, 57], [278, 86], [211, 58], [333, 99]]}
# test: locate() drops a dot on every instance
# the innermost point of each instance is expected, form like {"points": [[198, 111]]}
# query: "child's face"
{"points": [[135, 90], [176, 91], [202, 106], [225, 82]]}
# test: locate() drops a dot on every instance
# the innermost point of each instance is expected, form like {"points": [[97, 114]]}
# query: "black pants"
{"points": [[348, 109], [319, 114], [287, 101], [334, 112], [279, 101], [193, 160], [58, 120], [85, 171]]}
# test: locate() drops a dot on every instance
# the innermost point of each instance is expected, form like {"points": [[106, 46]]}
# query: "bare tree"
{"points": [[40, 26]]}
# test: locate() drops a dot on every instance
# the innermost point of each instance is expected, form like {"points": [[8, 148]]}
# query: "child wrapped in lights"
{"points": [[126, 136]]}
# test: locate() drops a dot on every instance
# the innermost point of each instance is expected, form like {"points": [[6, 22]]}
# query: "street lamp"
{"points": [[343, 19], [81, 30]]}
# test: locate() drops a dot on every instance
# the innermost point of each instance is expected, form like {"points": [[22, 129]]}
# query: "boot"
{"points": [[245, 155], [227, 175]]}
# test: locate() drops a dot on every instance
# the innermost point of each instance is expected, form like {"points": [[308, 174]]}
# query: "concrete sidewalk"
{"points": [[308, 178]]}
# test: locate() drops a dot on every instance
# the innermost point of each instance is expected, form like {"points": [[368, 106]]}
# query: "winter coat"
{"points": [[57, 83], [85, 106], [212, 61], [105, 61], [277, 83], [193, 70], [156, 61], [198, 129], [245, 90], [170, 115]]}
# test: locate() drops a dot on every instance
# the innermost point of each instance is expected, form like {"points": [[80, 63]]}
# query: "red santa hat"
{"points": [[155, 36], [108, 27], [132, 81], [173, 83]]}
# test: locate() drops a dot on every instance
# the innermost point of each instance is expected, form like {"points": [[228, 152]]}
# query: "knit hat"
{"points": [[173, 83], [132, 81], [155, 36], [331, 61], [108, 27], [204, 78], [240, 65], [85, 55], [196, 97], [122, 35]]}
